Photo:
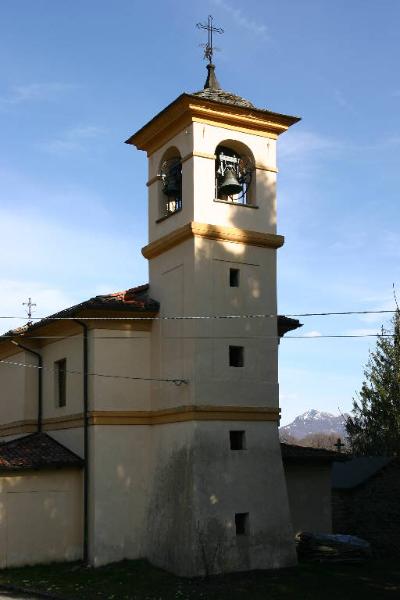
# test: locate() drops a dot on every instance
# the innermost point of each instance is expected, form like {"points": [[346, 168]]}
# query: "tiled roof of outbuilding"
{"points": [[36, 451], [358, 471], [292, 452]]}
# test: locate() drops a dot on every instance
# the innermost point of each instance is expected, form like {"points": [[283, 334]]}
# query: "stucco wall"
{"points": [[124, 354], [309, 492], [193, 279], [69, 348], [120, 469], [40, 517], [200, 483], [18, 389]]}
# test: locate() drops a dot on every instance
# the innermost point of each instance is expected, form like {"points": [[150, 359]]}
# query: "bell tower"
{"points": [[217, 493]]}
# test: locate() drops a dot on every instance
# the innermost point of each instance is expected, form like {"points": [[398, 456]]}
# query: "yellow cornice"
{"points": [[213, 232], [178, 414], [185, 413], [187, 109], [18, 427]]}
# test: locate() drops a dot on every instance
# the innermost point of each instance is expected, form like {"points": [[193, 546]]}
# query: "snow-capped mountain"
{"points": [[316, 421]]}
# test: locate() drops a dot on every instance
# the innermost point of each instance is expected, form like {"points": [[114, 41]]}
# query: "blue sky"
{"points": [[78, 78]]}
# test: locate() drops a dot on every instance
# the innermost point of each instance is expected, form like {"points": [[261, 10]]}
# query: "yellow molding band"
{"points": [[199, 154], [184, 159], [65, 422], [212, 232], [18, 427], [153, 180], [184, 413], [146, 417], [215, 122], [261, 167]]}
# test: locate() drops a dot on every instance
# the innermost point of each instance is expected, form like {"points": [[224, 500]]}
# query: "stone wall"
{"points": [[372, 511]]}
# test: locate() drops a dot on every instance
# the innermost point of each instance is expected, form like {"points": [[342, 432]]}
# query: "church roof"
{"points": [[183, 110], [134, 299], [212, 91], [36, 451]]}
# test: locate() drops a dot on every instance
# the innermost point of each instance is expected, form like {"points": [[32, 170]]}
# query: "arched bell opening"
{"points": [[170, 176], [234, 173]]}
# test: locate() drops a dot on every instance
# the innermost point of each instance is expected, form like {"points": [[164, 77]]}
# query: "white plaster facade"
{"points": [[164, 482]]}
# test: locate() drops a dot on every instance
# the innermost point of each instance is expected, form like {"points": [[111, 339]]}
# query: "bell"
{"points": [[230, 185], [172, 186]]}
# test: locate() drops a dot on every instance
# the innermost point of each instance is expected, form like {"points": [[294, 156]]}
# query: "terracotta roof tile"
{"points": [[36, 451], [134, 299]]}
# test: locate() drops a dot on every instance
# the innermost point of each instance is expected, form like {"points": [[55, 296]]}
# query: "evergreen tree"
{"points": [[374, 427]]}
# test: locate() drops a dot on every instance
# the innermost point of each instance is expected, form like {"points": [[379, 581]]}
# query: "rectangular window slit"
{"points": [[234, 277], [238, 440], [236, 356], [61, 382], [242, 523]]}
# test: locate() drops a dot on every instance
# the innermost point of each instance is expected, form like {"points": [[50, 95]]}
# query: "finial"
{"points": [[208, 47], [211, 81]]}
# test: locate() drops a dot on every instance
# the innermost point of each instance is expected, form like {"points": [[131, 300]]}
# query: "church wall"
{"points": [[309, 491], [171, 539], [183, 142], [127, 356], [18, 393], [43, 510], [69, 348], [193, 279], [242, 481], [192, 532], [72, 438], [120, 466]]}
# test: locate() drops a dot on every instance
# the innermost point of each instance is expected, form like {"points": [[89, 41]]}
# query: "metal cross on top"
{"points": [[30, 305], [339, 445], [208, 47]]}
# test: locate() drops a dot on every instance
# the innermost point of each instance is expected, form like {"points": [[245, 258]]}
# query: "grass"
{"points": [[129, 580]]}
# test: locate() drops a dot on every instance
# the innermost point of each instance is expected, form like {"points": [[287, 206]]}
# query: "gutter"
{"points": [[86, 478], [40, 384]]}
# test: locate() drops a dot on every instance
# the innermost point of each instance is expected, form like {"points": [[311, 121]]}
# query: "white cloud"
{"points": [[312, 334], [35, 92], [300, 144], [72, 140], [243, 20]]}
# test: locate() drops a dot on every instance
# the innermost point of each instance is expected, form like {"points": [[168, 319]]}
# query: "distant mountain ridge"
{"points": [[315, 421]]}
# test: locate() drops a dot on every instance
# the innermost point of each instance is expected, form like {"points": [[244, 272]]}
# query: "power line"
{"points": [[74, 372], [200, 317], [132, 339]]}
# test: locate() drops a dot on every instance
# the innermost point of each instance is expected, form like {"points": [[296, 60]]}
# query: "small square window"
{"points": [[60, 367], [234, 277], [237, 440], [236, 356], [242, 523]]}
